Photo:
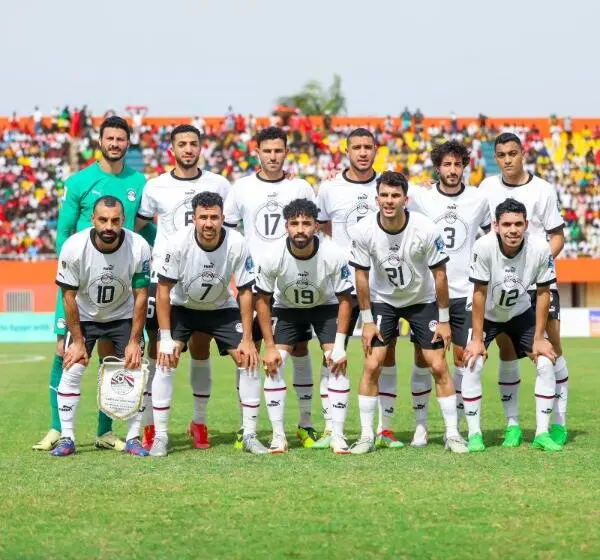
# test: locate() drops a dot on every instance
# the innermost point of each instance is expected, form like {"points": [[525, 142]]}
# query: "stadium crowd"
{"points": [[36, 160]]}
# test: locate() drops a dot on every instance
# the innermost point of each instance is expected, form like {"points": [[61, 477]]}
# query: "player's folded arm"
{"points": [[439, 263]]}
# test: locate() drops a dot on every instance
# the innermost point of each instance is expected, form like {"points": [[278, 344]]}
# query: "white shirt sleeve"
{"points": [[143, 264], [231, 210], [546, 273], [435, 249], [324, 215], [552, 219], [147, 208], [266, 275], [359, 254], [244, 268], [342, 283], [309, 192], [169, 268], [480, 265], [67, 275]]}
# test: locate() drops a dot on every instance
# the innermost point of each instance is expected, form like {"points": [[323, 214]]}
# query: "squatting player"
{"points": [[406, 256], [103, 273], [109, 176], [257, 201], [309, 281], [546, 222], [459, 211], [343, 202], [169, 198], [193, 295], [504, 264]]}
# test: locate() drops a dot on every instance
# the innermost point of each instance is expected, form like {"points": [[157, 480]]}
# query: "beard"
{"points": [[300, 242], [183, 165], [110, 158], [107, 236]]}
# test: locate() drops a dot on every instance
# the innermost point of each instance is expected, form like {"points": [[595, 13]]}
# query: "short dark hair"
{"points": [[507, 137], [301, 207], [358, 132], [393, 179], [115, 122], [452, 147], [510, 205], [271, 133], [110, 202], [180, 129], [207, 199]]}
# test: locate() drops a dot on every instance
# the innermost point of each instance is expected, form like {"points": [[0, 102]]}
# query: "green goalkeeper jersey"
{"points": [[85, 187]]}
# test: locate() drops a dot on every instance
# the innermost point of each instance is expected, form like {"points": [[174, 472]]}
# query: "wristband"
{"points": [[166, 344], [443, 314], [366, 316], [338, 352]]}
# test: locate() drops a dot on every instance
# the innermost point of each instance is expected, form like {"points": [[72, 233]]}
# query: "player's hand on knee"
{"points": [[369, 332], [272, 361], [543, 347], [247, 355], [442, 332], [76, 353], [166, 350], [133, 355], [473, 350]]}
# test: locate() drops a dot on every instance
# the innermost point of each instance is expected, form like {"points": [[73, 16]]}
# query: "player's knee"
{"points": [[439, 367], [371, 368], [419, 358], [458, 356], [300, 349]]}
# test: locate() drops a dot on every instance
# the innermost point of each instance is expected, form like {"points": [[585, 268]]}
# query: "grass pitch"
{"points": [[222, 503]]}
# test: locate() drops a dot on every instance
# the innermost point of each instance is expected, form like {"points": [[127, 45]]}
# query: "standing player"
{"points": [[504, 264], [343, 202], [546, 222], [103, 275], [193, 295], [459, 212], [169, 198], [109, 176], [310, 281], [258, 201], [408, 257]]}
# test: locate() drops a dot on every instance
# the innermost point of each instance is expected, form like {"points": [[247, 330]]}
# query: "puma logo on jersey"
{"points": [[109, 267], [451, 206], [209, 265], [305, 273], [272, 194], [395, 247]]}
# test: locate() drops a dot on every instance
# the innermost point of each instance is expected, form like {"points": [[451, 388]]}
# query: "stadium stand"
{"points": [[37, 155]]}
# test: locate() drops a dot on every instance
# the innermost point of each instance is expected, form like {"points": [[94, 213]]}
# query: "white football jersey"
{"points": [[538, 196], [344, 203], [458, 217], [259, 204], [399, 263], [302, 283], [170, 199], [508, 278], [104, 280], [203, 277]]}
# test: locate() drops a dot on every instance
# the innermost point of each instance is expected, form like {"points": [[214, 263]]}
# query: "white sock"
{"points": [[367, 407], [338, 390], [448, 408], [457, 377], [561, 374], [420, 384], [162, 393], [471, 395], [68, 399], [388, 380], [201, 381], [134, 425], [237, 390], [275, 393], [545, 388], [249, 392], [302, 378], [147, 416], [509, 383], [325, 397]]}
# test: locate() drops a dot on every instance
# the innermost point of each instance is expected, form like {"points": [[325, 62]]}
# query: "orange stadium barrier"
{"points": [[38, 278]]}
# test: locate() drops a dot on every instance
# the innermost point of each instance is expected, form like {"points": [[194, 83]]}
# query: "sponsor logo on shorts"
{"points": [[238, 328], [432, 325], [131, 196]]}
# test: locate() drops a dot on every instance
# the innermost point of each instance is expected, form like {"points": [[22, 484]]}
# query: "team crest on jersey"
{"points": [[131, 195], [432, 325], [239, 328]]}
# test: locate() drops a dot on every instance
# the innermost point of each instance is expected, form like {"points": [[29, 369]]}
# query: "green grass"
{"points": [[222, 503]]}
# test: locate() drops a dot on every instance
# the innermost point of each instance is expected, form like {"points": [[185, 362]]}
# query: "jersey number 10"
{"points": [[105, 294]]}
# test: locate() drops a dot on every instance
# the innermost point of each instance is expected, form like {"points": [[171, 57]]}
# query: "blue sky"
{"points": [[527, 57]]}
